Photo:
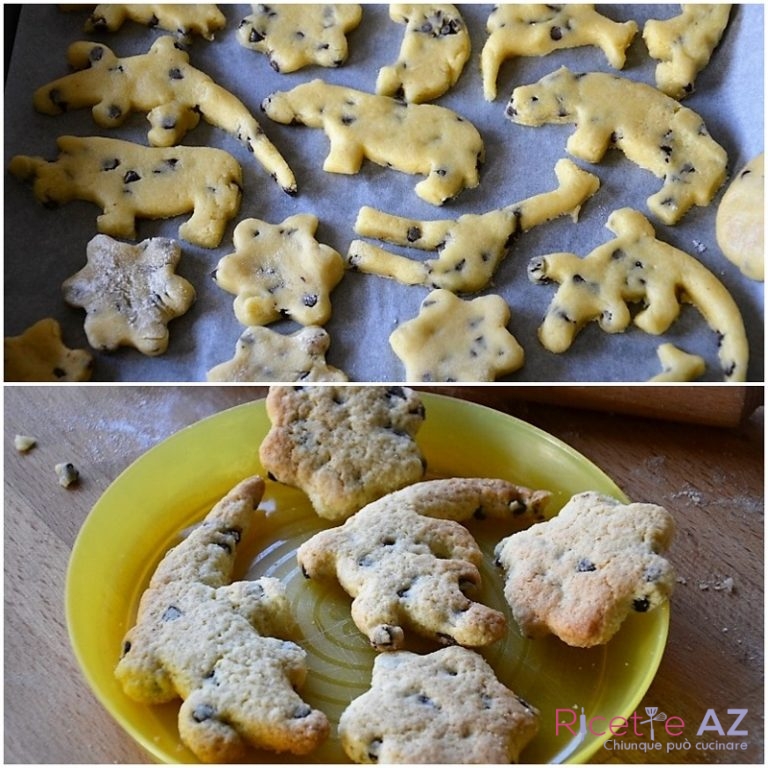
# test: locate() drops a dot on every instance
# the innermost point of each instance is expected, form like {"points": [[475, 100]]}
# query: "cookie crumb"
{"points": [[24, 443], [67, 474]]}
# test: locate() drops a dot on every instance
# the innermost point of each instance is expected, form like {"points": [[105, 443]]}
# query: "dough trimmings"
{"points": [[130, 181], [652, 130], [684, 45], [446, 707], [408, 563], [130, 293], [262, 354], [343, 446], [220, 646], [678, 365], [536, 30], [580, 574], [636, 267], [469, 248], [295, 36], [422, 139], [455, 339], [39, 354], [280, 271], [436, 46], [172, 92]]}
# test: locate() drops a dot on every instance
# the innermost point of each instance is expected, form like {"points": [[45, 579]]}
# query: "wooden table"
{"points": [[711, 478]]}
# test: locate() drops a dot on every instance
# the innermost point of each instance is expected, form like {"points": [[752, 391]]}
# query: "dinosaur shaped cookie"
{"points": [[652, 129], [632, 268], [414, 138], [168, 88], [215, 644]]}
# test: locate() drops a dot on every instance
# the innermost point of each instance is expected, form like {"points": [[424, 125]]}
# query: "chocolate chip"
{"points": [[171, 613], [131, 176], [301, 711], [175, 74], [309, 299], [110, 165], [585, 566], [374, 747], [641, 604], [413, 234], [203, 712], [556, 33]]}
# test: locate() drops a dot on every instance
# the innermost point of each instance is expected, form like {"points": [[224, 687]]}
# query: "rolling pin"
{"points": [[717, 405]]}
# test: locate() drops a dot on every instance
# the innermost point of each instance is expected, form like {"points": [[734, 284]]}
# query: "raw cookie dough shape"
{"points": [[168, 88], [453, 339], [636, 267], [678, 365], [580, 574], [407, 561], [469, 248], [39, 354], [130, 293], [413, 138], [131, 181], [262, 354], [215, 644], [436, 46], [184, 19], [684, 45], [652, 130], [740, 220], [280, 271], [537, 30], [296, 36], [446, 707], [343, 446]]}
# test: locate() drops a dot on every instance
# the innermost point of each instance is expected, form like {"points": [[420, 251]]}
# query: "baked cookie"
{"points": [[469, 249], [293, 36], [130, 293], [678, 365], [184, 19], [343, 446], [280, 271], [131, 181], [684, 45], [408, 564], [168, 88], [413, 138], [215, 644], [535, 29], [740, 220], [454, 339], [652, 130], [435, 48], [636, 267], [445, 707], [39, 354], [580, 574], [265, 355]]}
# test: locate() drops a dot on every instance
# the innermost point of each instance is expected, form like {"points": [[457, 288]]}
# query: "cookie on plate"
{"points": [[219, 645], [444, 707], [409, 564], [343, 446], [580, 574]]}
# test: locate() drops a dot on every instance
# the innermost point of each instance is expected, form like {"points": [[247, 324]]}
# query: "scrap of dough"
{"points": [[469, 248], [453, 339], [534, 29], [185, 19], [652, 129], [262, 354], [130, 293], [740, 221], [684, 44], [39, 354], [436, 46], [172, 92], [678, 365], [636, 267], [293, 36]]}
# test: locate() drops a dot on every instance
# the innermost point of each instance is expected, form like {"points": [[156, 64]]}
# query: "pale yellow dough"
{"points": [[185, 19], [678, 365], [740, 221]]}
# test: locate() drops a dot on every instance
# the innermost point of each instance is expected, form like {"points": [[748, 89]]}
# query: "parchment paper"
{"points": [[43, 247]]}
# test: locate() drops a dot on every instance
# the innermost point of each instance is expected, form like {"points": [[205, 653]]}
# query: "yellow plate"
{"points": [[174, 485]]}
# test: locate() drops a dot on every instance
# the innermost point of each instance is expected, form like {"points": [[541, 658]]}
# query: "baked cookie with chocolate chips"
{"points": [[580, 574], [220, 646], [445, 707], [409, 563], [344, 446]]}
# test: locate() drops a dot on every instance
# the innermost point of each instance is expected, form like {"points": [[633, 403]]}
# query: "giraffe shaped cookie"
{"points": [[636, 267], [216, 645], [408, 563]]}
